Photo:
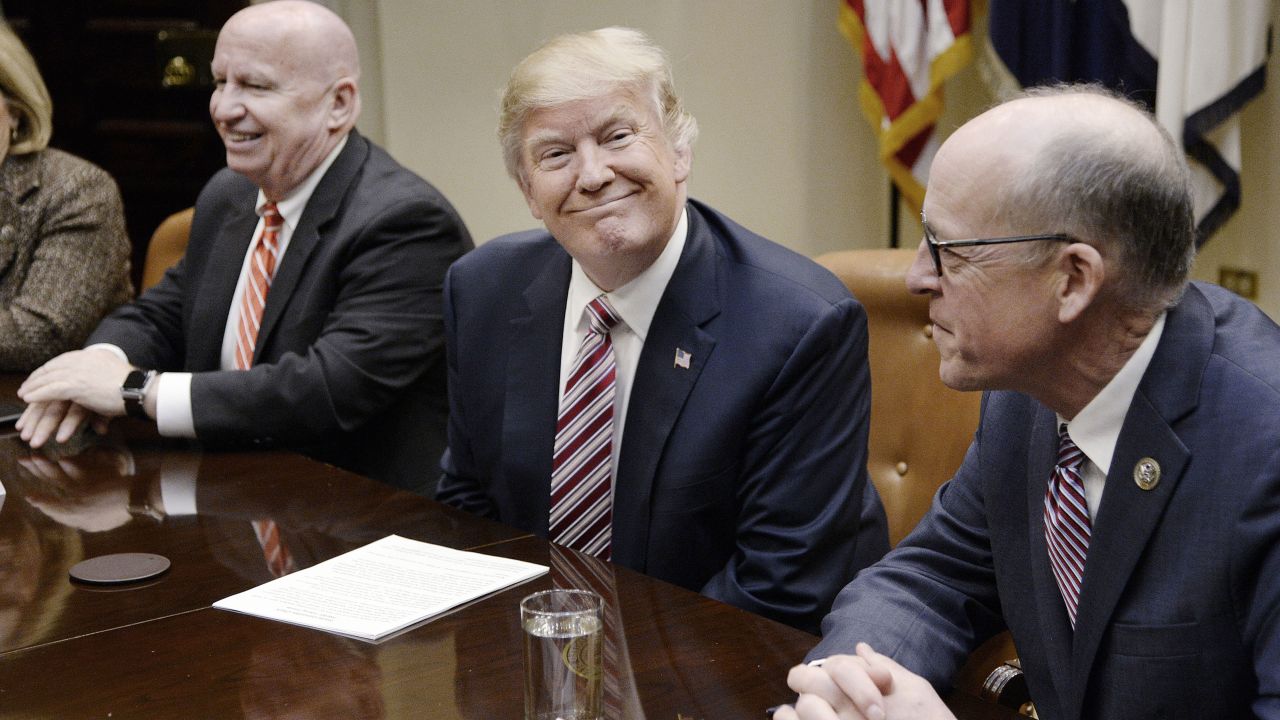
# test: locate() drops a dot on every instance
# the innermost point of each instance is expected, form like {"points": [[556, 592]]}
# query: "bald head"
{"points": [[317, 38], [286, 91], [1082, 161]]}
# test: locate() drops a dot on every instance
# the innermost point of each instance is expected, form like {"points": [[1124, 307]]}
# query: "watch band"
{"points": [[134, 391]]}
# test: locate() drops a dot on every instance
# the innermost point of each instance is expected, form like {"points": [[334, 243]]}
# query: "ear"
{"points": [[684, 161], [345, 106], [527, 191], [1082, 276]]}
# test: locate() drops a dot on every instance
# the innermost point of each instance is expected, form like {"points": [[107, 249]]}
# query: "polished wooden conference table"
{"points": [[157, 649]]}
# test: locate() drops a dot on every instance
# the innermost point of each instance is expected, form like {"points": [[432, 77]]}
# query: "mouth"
{"points": [[232, 137], [603, 205]]}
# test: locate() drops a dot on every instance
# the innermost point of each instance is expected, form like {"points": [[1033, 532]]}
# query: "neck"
{"points": [[1089, 358]]}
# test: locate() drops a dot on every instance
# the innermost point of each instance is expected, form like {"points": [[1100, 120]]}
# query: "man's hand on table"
{"points": [[866, 686], [69, 391]]}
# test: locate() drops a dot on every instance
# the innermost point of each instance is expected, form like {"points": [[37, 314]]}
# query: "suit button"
{"points": [[901, 467]]}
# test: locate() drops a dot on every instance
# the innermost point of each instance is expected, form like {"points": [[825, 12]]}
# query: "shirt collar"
{"points": [[1096, 428], [291, 207], [637, 301]]}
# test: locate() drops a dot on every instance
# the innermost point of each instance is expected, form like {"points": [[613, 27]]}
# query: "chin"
{"points": [[957, 379]]}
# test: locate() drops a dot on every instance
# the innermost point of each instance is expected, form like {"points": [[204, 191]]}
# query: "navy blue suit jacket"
{"points": [[348, 362], [743, 476], [1179, 613]]}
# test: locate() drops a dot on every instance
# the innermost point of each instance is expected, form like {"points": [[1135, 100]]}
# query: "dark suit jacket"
{"points": [[1179, 613], [349, 359], [742, 476]]}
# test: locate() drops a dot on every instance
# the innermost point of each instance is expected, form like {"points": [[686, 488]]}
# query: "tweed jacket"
{"points": [[64, 255]]}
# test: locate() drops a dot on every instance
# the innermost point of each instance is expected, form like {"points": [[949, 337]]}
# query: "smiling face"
{"points": [[278, 108], [604, 178]]}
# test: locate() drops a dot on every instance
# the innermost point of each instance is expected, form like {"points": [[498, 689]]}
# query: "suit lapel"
{"points": [[660, 387], [1129, 515], [321, 208], [227, 248], [1055, 627], [532, 395]]}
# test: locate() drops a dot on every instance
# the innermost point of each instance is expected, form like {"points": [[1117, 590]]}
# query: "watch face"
{"points": [[136, 380]]}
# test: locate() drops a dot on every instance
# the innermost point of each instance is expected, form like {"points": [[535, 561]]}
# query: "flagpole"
{"points": [[893, 214]]}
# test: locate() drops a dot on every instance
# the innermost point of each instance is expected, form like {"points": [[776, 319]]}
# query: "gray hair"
{"points": [[582, 66], [1131, 200]]}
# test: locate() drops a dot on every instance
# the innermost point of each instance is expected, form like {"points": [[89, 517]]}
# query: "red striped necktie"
{"points": [[279, 559], [1066, 522], [582, 463], [262, 268]]}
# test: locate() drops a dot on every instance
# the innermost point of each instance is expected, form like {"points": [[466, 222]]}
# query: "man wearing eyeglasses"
{"points": [[1119, 508]]}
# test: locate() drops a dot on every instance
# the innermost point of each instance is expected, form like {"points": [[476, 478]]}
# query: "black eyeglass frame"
{"points": [[935, 245]]}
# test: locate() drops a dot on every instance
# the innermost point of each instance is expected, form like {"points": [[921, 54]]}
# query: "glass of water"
{"points": [[563, 644]]}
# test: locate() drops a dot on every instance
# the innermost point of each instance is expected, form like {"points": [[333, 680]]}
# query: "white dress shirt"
{"points": [[1096, 428], [174, 417], [635, 304]]}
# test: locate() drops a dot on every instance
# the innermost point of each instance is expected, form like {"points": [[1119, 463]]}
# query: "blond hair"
{"points": [[582, 66], [29, 103]]}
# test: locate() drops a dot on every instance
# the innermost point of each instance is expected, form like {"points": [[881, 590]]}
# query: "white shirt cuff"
{"points": [[110, 348], [173, 405]]}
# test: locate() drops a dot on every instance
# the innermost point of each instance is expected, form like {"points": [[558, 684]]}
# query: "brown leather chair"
{"points": [[920, 428], [168, 243]]}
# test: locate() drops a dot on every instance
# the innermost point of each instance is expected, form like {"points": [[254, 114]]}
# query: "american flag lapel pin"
{"points": [[683, 358]]}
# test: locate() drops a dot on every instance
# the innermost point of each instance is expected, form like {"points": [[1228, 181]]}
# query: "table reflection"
{"points": [[324, 677], [35, 555]]}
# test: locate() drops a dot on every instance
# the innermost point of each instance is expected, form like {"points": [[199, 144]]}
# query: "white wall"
{"points": [[784, 148], [769, 82]]}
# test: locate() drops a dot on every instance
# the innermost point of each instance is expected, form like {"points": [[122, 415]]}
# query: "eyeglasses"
{"points": [[935, 244]]}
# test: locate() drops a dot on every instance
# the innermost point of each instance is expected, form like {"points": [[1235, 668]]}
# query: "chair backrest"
{"points": [[168, 243], [920, 428]]}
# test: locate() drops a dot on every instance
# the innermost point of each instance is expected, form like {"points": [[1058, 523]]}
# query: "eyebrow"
{"points": [[620, 114]]}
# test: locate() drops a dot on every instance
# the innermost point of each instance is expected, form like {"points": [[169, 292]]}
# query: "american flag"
{"points": [[909, 48]]}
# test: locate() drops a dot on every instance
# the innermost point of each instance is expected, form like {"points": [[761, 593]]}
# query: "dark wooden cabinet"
{"points": [[130, 83]]}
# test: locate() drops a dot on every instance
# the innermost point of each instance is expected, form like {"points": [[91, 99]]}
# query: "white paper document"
{"points": [[380, 588]]}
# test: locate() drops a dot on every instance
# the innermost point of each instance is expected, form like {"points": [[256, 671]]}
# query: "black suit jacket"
{"points": [[349, 360], [743, 476]]}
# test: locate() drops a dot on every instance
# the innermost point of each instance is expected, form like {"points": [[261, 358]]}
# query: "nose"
{"points": [[594, 169], [922, 277], [224, 106]]}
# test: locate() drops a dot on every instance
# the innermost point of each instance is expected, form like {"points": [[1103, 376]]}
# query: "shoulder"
{"points": [[57, 173], [226, 187], [755, 264], [382, 181], [1245, 342], [55, 163], [519, 254]]}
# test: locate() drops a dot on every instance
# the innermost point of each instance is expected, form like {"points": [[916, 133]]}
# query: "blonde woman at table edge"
{"points": [[64, 253]]}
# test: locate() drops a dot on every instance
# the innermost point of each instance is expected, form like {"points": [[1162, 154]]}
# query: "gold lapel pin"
{"points": [[1146, 473]]}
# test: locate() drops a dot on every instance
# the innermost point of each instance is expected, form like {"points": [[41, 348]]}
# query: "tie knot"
{"points": [[601, 315], [1069, 456], [271, 216]]}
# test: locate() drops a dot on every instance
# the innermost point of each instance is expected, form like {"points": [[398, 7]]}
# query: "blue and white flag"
{"points": [[1196, 62]]}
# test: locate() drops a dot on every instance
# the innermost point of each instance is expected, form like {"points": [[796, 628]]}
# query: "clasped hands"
{"points": [[866, 686], [74, 388]]}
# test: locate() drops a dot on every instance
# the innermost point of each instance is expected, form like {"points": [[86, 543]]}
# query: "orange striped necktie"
{"points": [[262, 268], [274, 551]]}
